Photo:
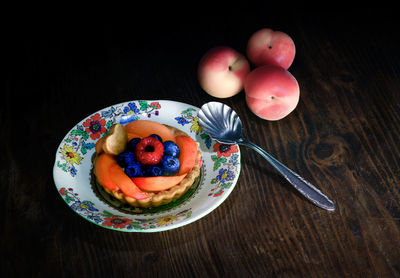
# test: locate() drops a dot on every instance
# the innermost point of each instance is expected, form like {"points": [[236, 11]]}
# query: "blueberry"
{"points": [[156, 136], [170, 165], [132, 144], [171, 149], [126, 158], [134, 170], [153, 171]]}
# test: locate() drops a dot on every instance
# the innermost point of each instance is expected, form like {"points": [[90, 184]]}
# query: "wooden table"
{"points": [[343, 137]]}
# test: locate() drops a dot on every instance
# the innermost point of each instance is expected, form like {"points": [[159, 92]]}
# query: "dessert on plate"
{"points": [[145, 163]]}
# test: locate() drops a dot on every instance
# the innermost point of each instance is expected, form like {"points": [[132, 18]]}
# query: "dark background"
{"points": [[344, 135]]}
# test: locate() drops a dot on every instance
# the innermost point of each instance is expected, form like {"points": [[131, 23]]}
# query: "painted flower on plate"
{"points": [[155, 105], [181, 120], [95, 126], [63, 191], [70, 155], [234, 159], [95, 217], [131, 108], [225, 175], [166, 220], [224, 149], [83, 206], [116, 222]]}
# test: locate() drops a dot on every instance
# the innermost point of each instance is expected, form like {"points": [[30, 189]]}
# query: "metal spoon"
{"points": [[224, 125]]}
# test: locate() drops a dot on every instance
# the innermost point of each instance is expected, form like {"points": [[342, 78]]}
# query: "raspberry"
{"points": [[149, 151]]}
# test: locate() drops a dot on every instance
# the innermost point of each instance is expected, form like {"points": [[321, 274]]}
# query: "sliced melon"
{"points": [[144, 128], [188, 153], [102, 167], [157, 183], [99, 146]]}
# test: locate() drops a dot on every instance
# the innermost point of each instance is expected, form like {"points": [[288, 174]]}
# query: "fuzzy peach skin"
{"points": [[269, 47], [222, 72], [271, 92]]}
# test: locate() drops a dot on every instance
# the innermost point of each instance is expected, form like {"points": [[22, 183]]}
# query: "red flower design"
{"points": [[155, 105], [95, 125], [224, 149], [116, 222], [62, 191], [218, 193]]}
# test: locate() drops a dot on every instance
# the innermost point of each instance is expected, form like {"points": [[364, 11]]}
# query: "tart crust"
{"points": [[162, 197]]}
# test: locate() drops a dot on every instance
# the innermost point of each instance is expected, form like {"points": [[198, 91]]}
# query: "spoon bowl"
{"points": [[223, 124]]}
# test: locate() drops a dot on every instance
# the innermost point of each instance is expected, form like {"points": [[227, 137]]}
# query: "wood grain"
{"points": [[343, 137]]}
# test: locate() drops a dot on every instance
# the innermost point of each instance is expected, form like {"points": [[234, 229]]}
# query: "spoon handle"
{"points": [[304, 187]]}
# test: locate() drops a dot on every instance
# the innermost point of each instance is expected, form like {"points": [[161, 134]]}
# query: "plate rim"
{"points": [[159, 228]]}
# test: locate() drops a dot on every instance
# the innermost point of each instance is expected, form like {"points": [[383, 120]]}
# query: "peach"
{"points": [[111, 176], [222, 71], [133, 135], [101, 168], [271, 92], [144, 128], [99, 146], [269, 47], [157, 183], [188, 153]]}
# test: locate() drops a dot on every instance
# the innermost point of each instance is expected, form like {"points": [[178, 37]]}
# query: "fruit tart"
{"points": [[145, 163]]}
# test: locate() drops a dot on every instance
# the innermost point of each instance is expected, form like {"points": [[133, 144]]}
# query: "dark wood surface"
{"points": [[343, 137]]}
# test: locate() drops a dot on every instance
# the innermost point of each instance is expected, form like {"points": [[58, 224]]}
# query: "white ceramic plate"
{"points": [[72, 170]]}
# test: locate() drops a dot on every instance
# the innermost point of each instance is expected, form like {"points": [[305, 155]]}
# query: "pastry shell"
{"points": [[166, 196]]}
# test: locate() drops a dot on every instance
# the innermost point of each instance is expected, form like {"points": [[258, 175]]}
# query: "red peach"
{"points": [[269, 47], [271, 92], [222, 71]]}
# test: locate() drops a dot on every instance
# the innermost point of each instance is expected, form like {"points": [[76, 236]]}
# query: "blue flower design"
{"points": [[131, 111], [73, 171], [83, 206], [131, 107], [234, 159], [225, 175], [95, 217], [181, 120]]}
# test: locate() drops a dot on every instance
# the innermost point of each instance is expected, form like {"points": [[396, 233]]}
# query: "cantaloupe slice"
{"points": [[102, 166], [144, 128], [157, 183], [99, 146], [188, 153], [127, 186], [133, 135]]}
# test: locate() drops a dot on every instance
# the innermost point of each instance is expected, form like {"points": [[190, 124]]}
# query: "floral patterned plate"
{"points": [[73, 178]]}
